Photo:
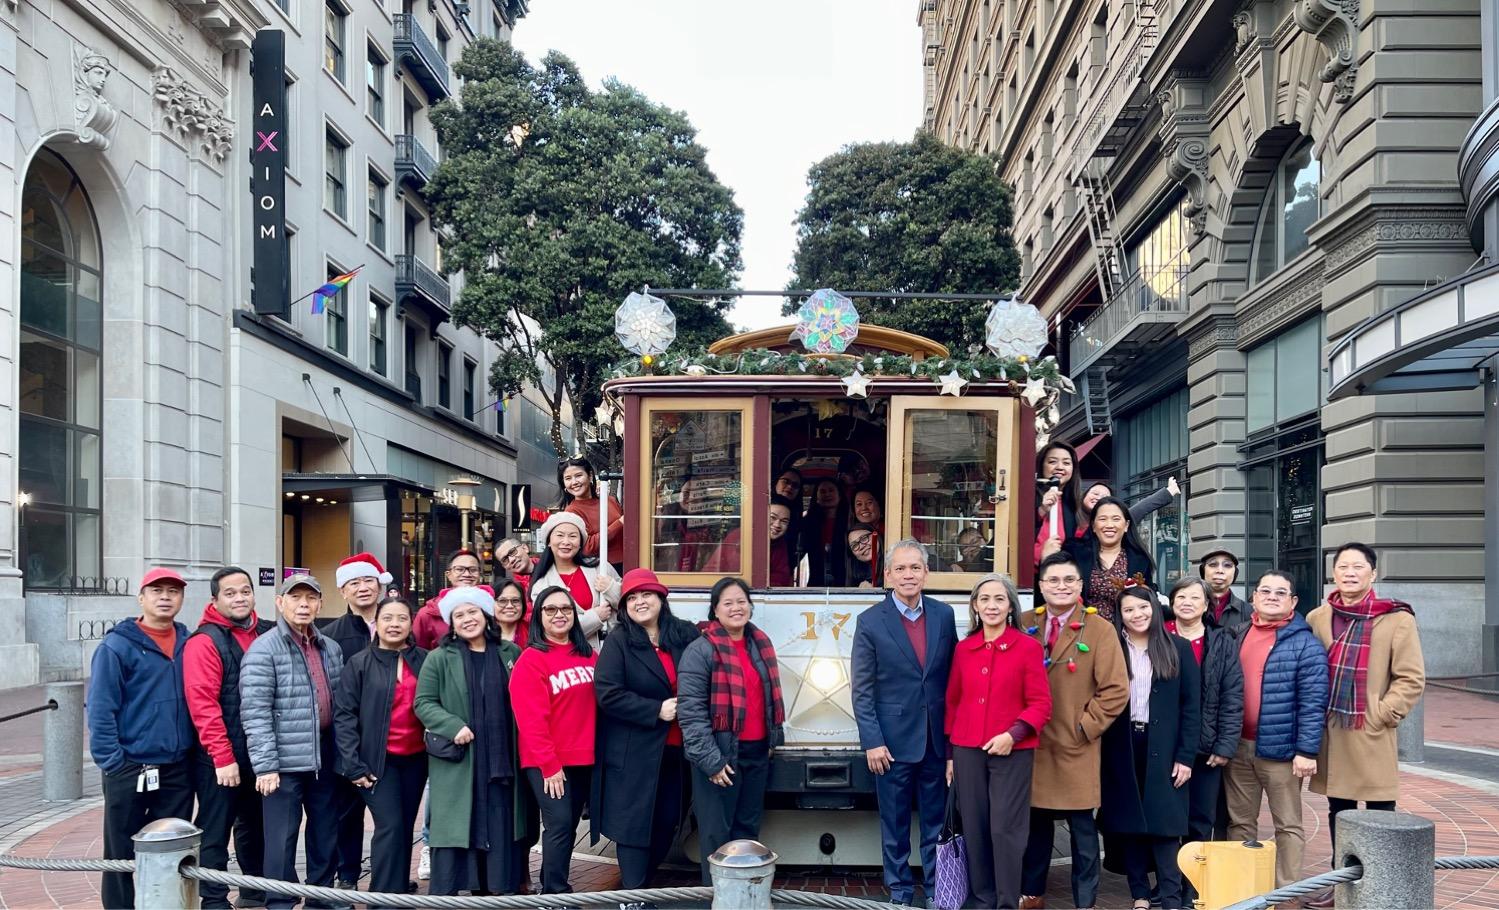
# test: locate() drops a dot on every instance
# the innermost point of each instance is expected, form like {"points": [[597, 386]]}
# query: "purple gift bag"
{"points": [[951, 889]]}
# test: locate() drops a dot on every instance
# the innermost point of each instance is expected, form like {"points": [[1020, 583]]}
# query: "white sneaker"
{"points": [[424, 865]]}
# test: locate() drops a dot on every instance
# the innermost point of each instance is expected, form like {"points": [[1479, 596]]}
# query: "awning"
{"points": [[1085, 448], [1438, 341], [354, 487]]}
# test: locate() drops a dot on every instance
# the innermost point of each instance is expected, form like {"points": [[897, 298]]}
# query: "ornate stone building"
{"points": [[1210, 197]]}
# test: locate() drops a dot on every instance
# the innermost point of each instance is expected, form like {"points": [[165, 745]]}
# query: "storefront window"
{"points": [[949, 486], [1151, 447], [1283, 511], [697, 465], [1284, 377]]}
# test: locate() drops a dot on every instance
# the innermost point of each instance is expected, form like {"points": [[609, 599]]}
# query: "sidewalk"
{"points": [[1465, 810]]}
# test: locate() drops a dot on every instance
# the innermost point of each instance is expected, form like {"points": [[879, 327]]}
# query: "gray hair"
{"points": [[908, 543], [1190, 581], [1011, 592]]}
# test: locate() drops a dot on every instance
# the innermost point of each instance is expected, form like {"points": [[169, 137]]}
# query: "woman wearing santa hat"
{"points": [[594, 588], [463, 699]]}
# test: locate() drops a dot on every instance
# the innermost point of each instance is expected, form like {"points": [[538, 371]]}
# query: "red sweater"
{"points": [[993, 685], [588, 510], [405, 736], [551, 693], [202, 674]]}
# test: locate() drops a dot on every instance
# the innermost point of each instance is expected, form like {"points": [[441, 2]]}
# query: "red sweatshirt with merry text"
{"points": [[551, 693]]}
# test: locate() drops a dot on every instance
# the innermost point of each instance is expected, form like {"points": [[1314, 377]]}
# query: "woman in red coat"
{"points": [[578, 482], [998, 699]]}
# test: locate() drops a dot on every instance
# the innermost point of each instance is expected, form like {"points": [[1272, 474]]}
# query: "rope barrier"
{"points": [[1351, 874], [67, 865]]}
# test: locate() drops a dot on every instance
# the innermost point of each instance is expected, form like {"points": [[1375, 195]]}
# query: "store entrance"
{"points": [[1283, 511]]}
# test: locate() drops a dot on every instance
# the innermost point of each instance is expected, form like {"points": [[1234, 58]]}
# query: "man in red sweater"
{"points": [[227, 801], [464, 571]]}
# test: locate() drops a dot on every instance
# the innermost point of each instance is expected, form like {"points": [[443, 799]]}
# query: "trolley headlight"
{"points": [[825, 673]]}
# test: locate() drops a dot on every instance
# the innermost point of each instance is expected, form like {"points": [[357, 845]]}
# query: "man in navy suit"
{"points": [[903, 650]]}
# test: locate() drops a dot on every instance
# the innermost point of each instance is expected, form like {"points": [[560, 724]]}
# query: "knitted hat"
{"points": [[640, 580], [557, 519], [361, 565], [481, 596]]}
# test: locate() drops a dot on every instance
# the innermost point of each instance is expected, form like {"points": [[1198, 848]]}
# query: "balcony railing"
{"points": [[1144, 311], [419, 282], [414, 164], [421, 56]]}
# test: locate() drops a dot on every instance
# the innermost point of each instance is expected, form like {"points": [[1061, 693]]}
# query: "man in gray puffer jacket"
{"points": [[286, 686]]}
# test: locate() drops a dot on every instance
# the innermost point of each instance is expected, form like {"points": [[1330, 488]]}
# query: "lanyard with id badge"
{"points": [[149, 780]]}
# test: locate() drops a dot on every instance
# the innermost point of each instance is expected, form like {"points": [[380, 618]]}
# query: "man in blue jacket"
{"points": [[901, 658], [140, 733], [1285, 709]]}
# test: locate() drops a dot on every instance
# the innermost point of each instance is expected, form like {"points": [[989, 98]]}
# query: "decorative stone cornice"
{"points": [[93, 116], [1281, 306], [1185, 135], [1334, 23], [192, 115], [229, 24], [1391, 225], [1218, 334]]}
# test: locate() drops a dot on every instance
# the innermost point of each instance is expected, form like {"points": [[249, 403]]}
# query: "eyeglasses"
{"points": [[557, 611], [1061, 580], [508, 601], [862, 541], [464, 570], [510, 554], [1275, 593]]}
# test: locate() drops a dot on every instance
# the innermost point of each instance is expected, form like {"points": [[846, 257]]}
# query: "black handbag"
{"points": [[439, 746]]}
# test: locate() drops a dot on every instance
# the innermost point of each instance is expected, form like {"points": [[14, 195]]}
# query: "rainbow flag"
{"points": [[334, 285]]}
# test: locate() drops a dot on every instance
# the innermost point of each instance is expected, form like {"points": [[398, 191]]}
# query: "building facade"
{"points": [[1209, 198], [150, 417]]}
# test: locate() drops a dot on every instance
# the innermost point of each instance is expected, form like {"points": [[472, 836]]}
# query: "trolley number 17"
{"points": [[839, 621]]}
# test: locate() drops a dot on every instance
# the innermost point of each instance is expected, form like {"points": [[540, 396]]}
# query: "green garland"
{"points": [[763, 362]]}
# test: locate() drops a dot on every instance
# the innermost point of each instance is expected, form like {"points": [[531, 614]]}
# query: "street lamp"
{"points": [[466, 503]]}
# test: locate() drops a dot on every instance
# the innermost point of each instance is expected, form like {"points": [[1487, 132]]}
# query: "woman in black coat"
{"points": [[1108, 556], [639, 741], [1148, 751], [1217, 654], [380, 745]]}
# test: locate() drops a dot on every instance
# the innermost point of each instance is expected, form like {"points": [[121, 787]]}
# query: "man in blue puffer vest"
{"points": [[1285, 709], [140, 733]]}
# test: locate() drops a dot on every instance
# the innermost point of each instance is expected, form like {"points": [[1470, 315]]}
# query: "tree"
{"points": [[558, 201], [914, 216]]}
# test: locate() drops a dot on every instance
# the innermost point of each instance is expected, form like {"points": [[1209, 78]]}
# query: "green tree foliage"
{"points": [[914, 216], [558, 201]]}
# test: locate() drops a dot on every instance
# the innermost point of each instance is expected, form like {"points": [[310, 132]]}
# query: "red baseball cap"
{"points": [[159, 575]]}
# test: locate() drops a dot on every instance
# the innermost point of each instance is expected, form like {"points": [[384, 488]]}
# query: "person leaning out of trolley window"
{"points": [[594, 587], [478, 835], [380, 747], [865, 564], [1098, 491], [1148, 750], [639, 740], [1108, 556], [780, 520], [1217, 656], [140, 733], [555, 710], [997, 702], [730, 710]]}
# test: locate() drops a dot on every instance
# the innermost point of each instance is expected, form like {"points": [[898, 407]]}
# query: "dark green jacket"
{"points": [[442, 705]]}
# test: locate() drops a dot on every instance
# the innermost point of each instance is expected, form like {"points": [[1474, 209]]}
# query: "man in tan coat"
{"points": [[1089, 687], [1377, 675]]}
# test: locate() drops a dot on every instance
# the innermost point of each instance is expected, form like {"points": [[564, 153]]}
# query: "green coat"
{"points": [[442, 705]]}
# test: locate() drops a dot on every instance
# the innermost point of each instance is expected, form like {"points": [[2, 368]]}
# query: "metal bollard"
{"points": [[1410, 736], [62, 743], [743, 873], [160, 850], [1398, 853]]}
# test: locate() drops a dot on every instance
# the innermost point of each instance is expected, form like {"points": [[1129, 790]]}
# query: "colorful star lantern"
{"points": [[1015, 329], [827, 322], [644, 324]]}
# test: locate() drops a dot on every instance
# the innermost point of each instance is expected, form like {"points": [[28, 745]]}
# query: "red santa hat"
{"points": [[361, 565]]}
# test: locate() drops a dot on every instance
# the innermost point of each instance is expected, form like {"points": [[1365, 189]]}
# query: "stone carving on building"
{"points": [[1185, 141], [1334, 23], [191, 114], [1288, 303], [1243, 30], [1395, 225], [93, 116], [1217, 335]]}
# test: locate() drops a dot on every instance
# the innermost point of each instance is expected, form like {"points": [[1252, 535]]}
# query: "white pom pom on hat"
{"points": [[361, 565], [479, 595]]}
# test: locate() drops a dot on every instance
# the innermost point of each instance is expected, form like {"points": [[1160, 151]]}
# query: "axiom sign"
{"points": [[270, 276]]}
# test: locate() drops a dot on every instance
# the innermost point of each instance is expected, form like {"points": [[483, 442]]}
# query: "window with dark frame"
{"points": [[411, 361], [469, 371], [335, 39], [376, 229], [444, 375], [336, 315], [379, 314], [336, 174], [374, 84]]}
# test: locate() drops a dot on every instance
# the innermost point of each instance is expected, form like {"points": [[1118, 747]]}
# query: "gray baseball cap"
{"points": [[298, 581]]}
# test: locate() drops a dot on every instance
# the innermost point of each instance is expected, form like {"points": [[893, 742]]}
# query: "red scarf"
{"points": [[1348, 658], [726, 700]]}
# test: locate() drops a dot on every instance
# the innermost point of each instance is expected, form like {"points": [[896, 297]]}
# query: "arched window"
{"points": [[61, 388], [1291, 205]]}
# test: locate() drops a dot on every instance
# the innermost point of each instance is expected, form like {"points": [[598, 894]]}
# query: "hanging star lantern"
{"points": [[952, 383], [856, 385], [1034, 392], [827, 322], [1014, 329], [644, 324]]}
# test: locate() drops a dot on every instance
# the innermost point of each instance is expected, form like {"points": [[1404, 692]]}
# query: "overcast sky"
{"points": [[772, 87]]}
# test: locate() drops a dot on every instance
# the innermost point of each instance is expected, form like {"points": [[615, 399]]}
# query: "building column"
{"points": [[1215, 428]]}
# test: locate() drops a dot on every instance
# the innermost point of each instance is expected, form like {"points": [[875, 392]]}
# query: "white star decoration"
{"points": [[1035, 391], [856, 385], [952, 383]]}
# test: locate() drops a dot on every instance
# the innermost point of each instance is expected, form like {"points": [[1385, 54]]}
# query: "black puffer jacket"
{"points": [[361, 708], [1222, 695]]}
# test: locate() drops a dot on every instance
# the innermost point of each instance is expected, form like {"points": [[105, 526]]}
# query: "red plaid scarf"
{"points": [[726, 686], [1348, 658]]}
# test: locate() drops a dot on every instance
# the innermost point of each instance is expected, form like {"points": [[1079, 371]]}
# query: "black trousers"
{"points": [[351, 808], [994, 799], [1204, 792], [127, 811], [1144, 852], [1336, 804], [394, 801], [222, 812], [638, 863], [732, 812], [559, 824], [1037, 863], [314, 792]]}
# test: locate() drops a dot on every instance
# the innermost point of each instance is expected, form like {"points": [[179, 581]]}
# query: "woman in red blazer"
{"points": [[998, 699]]}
